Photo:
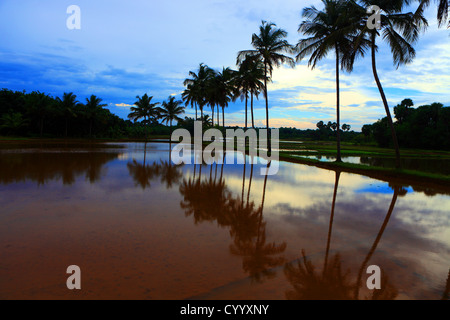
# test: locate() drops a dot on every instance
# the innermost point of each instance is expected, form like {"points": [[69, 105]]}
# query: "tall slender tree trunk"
{"points": [[330, 227], [196, 117], [212, 118], [338, 118], [218, 115], [386, 107], [269, 144], [250, 182], [377, 240], [201, 115], [251, 107], [243, 182], [246, 112], [223, 117]]}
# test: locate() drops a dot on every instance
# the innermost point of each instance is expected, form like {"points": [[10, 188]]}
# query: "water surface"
{"points": [[140, 227]]}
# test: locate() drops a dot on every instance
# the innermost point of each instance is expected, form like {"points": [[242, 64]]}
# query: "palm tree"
{"points": [[67, 106], [93, 107], [222, 90], [400, 31], [198, 85], [442, 13], [144, 109], [249, 79], [189, 96], [39, 106], [256, 84], [171, 110], [268, 46], [330, 29], [13, 122]]}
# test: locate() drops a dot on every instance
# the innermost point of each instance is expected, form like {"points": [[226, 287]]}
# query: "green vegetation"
{"points": [[425, 127], [37, 114]]}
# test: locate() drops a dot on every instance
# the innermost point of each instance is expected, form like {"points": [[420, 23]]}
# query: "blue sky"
{"points": [[128, 48]]}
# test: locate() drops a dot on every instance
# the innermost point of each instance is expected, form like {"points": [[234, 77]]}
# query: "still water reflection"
{"points": [[140, 227]]}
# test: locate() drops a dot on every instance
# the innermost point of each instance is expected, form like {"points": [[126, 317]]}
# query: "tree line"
{"points": [[424, 127], [37, 114]]}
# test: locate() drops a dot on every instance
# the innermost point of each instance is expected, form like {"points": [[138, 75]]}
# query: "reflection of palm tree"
{"points": [[445, 295], [336, 183], [333, 282], [386, 290], [142, 174], [210, 200], [42, 167], [170, 174], [259, 257], [205, 200]]}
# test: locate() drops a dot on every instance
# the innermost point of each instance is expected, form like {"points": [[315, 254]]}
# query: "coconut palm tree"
{"points": [[222, 90], [145, 109], [269, 46], [330, 29], [189, 97], [198, 85], [39, 106], [256, 84], [249, 79], [93, 107], [400, 31], [67, 106], [171, 110]]}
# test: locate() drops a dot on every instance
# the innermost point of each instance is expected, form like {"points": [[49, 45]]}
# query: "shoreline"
{"points": [[418, 180]]}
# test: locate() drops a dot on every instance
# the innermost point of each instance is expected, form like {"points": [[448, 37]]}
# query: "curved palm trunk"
{"points": [[246, 111], [201, 115], [250, 182], [218, 115], [338, 118], [330, 228], [251, 107], [223, 117], [377, 240], [267, 108], [386, 107], [243, 182]]}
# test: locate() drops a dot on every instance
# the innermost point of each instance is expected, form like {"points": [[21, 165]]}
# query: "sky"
{"points": [[125, 49]]}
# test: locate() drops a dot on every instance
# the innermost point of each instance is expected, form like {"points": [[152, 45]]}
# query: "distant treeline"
{"points": [[324, 132], [425, 127], [37, 114]]}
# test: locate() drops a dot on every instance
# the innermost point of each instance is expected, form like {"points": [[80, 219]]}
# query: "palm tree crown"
{"points": [[144, 109], [269, 46], [171, 110]]}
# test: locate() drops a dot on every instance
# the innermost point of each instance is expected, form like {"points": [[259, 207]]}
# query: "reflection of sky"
{"points": [[297, 210], [380, 188]]}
